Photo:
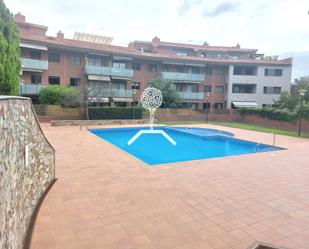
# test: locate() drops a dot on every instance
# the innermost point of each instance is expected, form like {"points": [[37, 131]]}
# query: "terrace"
{"points": [[106, 198]]}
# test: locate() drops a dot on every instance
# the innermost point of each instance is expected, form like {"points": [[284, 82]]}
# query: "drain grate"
{"points": [[265, 246]]}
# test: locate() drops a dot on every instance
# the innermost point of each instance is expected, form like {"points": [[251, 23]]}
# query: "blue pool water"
{"points": [[192, 144]]}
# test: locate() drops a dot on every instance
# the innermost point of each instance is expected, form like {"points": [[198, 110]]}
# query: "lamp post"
{"points": [[302, 93], [206, 107]]}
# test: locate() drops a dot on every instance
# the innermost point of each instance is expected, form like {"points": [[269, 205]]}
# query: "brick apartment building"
{"points": [[205, 76]]}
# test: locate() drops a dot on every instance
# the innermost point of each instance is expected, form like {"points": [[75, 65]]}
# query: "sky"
{"points": [[274, 27]]}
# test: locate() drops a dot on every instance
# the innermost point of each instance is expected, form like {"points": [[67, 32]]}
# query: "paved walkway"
{"points": [[107, 199]]}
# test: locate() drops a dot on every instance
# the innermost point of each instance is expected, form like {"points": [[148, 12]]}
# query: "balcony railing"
{"points": [[33, 64], [183, 76], [123, 93], [191, 95], [30, 89], [109, 71]]}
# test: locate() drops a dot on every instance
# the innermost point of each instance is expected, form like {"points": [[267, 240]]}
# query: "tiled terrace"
{"points": [[106, 199]]}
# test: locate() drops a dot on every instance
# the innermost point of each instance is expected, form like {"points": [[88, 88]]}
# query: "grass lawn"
{"points": [[246, 126]]}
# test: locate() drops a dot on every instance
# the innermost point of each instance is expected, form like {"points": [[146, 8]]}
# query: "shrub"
{"points": [[51, 95], [96, 113], [60, 95], [70, 97]]}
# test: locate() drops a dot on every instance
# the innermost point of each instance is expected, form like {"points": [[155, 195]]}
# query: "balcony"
{"points": [[33, 64], [109, 71], [194, 78], [123, 93], [30, 89], [191, 95]]}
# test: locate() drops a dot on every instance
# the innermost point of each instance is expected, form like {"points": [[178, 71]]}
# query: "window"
{"points": [[181, 54], [165, 68], [244, 70], [208, 70], [218, 105], [219, 71], [243, 88], [53, 57], [54, 80], [95, 61], [36, 79], [74, 81], [121, 65], [234, 57], [207, 89], [179, 69], [35, 54], [193, 70], [136, 85], [136, 66], [75, 59], [219, 89], [273, 72], [206, 105], [272, 90], [152, 68]]}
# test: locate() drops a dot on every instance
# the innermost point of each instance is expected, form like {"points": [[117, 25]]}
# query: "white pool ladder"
{"points": [[266, 137]]}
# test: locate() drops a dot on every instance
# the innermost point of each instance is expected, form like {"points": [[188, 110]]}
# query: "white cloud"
{"points": [[272, 26]]}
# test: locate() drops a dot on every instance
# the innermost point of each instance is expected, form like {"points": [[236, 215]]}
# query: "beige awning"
{"points": [[99, 100], [122, 100], [99, 78], [244, 104], [32, 46]]}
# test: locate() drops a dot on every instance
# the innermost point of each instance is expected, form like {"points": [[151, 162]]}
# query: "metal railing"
{"points": [[33, 64], [191, 95], [30, 89], [264, 139], [109, 71], [183, 76], [115, 93]]}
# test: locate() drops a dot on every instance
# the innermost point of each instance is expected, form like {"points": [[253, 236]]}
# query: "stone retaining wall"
{"points": [[27, 168]]}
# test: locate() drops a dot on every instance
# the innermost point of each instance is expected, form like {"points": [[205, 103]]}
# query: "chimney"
{"points": [[205, 44], [19, 18], [238, 45], [156, 39], [60, 36]]}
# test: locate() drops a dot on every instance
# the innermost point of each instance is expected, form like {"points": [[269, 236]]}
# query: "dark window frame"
{"points": [[74, 60], [54, 57], [152, 67], [136, 66], [34, 79], [54, 78], [77, 81]]}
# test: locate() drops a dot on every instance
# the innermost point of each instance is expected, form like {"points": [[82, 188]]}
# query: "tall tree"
{"points": [[291, 101], [169, 92], [9, 53]]}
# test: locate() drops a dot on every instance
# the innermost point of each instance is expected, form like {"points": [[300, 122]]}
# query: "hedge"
{"points": [[97, 113], [270, 113]]}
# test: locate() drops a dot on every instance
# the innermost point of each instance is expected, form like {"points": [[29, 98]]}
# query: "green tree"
{"points": [[291, 100], [9, 53], [169, 92]]}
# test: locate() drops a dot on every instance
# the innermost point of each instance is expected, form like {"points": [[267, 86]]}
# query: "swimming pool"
{"points": [[192, 144]]}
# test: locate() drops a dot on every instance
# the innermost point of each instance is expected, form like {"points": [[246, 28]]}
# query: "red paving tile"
{"points": [[105, 198]]}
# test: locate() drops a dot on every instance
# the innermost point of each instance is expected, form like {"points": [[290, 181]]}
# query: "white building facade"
{"points": [[257, 85]]}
